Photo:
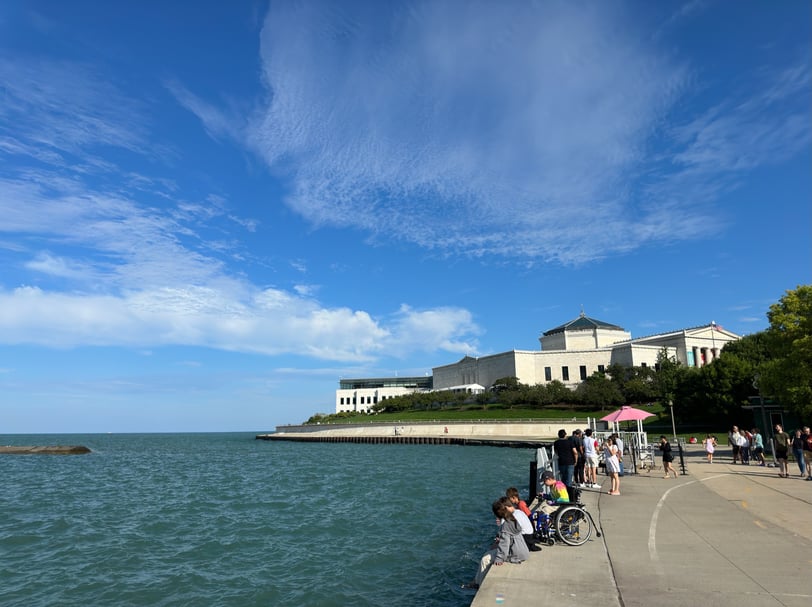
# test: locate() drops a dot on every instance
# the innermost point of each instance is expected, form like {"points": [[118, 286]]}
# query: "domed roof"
{"points": [[581, 323]]}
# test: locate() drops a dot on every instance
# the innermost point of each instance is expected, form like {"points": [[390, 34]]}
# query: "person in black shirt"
{"points": [[578, 441], [668, 457], [567, 454]]}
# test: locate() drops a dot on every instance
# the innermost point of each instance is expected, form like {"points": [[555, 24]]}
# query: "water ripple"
{"points": [[221, 519]]}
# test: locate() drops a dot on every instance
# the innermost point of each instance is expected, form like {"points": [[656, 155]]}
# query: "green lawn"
{"points": [[490, 412]]}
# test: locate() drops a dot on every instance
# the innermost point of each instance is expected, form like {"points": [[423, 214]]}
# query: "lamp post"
{"points": [[673, 425], [767, 430]]}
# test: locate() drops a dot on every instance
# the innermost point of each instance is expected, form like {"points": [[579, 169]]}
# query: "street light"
{"points": [[767, 430], [673, 425]]}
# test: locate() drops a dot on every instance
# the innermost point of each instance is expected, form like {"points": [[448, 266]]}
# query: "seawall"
{"points": [[502, 433]]}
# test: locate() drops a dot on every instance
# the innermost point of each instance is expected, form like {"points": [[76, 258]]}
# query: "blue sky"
{"points": [[210, 212]]}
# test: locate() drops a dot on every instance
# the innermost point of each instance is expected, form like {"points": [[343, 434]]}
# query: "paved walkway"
{"points": [[723, 534]]}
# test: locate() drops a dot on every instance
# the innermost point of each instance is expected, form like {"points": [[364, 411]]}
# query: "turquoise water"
{"points": [[226, 520]]}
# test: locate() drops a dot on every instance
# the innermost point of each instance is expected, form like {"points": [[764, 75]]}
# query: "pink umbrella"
{"points": [[630, 414], [626, 414]]}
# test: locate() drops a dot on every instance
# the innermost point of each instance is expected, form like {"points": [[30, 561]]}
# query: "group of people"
{"points": [[749, 444], [515, 538], [801, 445], [579, 456], [746, 445]]}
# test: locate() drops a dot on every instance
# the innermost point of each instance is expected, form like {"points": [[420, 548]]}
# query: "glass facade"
{"points": [[418, 383]]}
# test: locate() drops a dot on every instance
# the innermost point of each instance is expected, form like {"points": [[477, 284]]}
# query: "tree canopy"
{"points": [[787, 376]]}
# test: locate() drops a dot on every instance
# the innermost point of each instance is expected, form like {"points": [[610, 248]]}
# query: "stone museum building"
{"points": [[569, 353]]}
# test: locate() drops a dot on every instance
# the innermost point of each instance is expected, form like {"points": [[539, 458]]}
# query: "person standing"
{"points": [[710, 447], [619, 445], [807, 452], [744, 447], [578, 441], [668, 457], [782, 444], [591, 459], [734, 440], [797, 444], [612, 464], [758, 447], [564, 448]]}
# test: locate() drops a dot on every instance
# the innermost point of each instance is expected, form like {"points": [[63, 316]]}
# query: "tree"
{"points": [[599, 391], [788, 376], [668, 375], [510, 382]]}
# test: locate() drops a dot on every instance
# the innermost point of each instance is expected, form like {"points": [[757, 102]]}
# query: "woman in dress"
{"points": [[710, 447], [668, 457], [610, 458]]}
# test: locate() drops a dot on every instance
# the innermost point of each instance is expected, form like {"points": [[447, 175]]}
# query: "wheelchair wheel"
{"points": [[573, 526]]}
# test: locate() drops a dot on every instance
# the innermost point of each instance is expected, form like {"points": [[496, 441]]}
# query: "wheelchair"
{"points": [[571, 524]]}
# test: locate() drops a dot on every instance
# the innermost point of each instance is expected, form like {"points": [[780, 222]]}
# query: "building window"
{"points": [[548, 374], [644, 365], [583, 372], [601, 369], [565, 373]]}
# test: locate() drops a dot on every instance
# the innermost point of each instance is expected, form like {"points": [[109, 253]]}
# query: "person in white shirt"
{"points": [[734, 440], [591, 457], [619, 445]]}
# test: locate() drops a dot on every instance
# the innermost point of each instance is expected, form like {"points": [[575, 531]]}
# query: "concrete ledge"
{"points": [[44, 450], [516, 433]]}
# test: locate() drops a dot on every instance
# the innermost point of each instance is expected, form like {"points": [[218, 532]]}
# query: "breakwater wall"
{"points": [[498, 433], [43, 450]]}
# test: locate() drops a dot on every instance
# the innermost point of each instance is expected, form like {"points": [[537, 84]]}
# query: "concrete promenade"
{"points": [[723, 535]]}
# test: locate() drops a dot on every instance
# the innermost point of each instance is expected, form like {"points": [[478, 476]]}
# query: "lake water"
{"points": [[226, 520]]}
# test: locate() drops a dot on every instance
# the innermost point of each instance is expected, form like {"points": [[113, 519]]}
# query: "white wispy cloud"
{"points": [[525, 130], [60, 107], [117, 258], [506, 129]]}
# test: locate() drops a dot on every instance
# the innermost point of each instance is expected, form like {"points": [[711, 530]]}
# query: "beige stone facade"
{"points": [[574, 351], [569, 353]]}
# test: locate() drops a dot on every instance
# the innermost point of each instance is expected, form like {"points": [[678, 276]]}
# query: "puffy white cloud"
{"points": [[267, 322]]}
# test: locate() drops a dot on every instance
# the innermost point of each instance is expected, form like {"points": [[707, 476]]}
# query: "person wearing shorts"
{"points": [[782, 443], [591, 460]]}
